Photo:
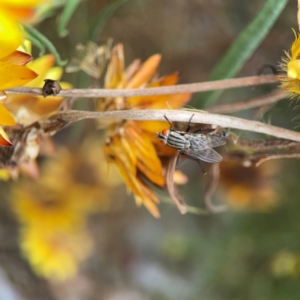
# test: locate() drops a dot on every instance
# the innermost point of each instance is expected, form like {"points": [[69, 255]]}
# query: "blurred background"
{"points": [[112, 249]]}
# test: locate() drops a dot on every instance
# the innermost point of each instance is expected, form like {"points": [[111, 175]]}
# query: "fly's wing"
{"points": [[217, 141], [204, 141], [210, 139], [208, 155]]}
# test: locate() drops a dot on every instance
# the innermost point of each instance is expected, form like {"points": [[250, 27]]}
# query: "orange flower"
{"points": [[132, 145]]}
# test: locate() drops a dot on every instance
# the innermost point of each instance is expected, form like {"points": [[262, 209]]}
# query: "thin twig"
{"points": [[180, 116], [256, 159], [165, 90], [179, 202], [249, 103], [270, 144], [260, 160], [210, 188]]}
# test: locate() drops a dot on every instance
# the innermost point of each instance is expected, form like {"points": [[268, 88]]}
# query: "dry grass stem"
{"points": [[178, 201], [270, 144], [212, 184], [165, 90], [249, 103], [259, 160], [179, 116]]}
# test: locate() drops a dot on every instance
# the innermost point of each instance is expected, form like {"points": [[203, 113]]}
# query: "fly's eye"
{"points": [[165, 132]]}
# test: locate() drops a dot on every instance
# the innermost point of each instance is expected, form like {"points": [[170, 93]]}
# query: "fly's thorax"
{"points": [[177, 140]]}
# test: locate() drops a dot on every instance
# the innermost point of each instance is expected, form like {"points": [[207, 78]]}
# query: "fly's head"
{"points": [[225, 133], [163, 136]]}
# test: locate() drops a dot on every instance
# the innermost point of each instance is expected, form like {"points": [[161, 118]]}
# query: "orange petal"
{"points": [[145, 73], [14, 75], [159, 102], [46, 106], [162, 101], [4, 139], [149, 199], [18, 58], [147, 160], [41, 66], [6, 117], [152, 126], [21, 13], [170, 79], [142, 193], [119, 149]]}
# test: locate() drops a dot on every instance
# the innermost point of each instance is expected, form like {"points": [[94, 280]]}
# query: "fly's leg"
{"points": [[202, 168], [171, 127], [189, 124], [192, 158]]}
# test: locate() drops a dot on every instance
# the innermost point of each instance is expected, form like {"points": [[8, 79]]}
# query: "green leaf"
{"points": [[42, 39], [36, 43], [66, 16], [242, 48], [102, 18]]}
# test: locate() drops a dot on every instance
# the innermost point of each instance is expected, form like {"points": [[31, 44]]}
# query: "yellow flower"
{"points": [[12, 73], [27, 109], [53, 210], [12, 70], [12, 11], [55, 254], [132, 145], [248, 187], [290, 80]]}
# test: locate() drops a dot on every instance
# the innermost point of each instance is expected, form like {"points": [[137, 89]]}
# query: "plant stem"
{"points": [[164, 90]]}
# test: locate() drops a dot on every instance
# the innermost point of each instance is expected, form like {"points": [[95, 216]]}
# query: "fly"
{"points": [[194, 144]]}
